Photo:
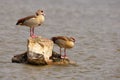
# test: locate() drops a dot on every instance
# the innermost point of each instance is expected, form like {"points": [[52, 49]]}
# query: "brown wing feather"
{"points": [[21, 21], [59, 37], [63, 38]]}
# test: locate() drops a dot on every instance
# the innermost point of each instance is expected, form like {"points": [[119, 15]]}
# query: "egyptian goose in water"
{"points": [[32, 21], [64, 42]]}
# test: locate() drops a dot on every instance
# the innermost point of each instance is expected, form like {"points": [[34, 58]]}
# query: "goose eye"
{"points": [[42, 11]]}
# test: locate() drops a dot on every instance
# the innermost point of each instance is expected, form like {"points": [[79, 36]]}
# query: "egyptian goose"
{"points": [[64, 42], [32, 21]]}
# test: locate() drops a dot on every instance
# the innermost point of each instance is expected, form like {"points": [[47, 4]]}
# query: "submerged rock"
{"points": [[20, 58]]}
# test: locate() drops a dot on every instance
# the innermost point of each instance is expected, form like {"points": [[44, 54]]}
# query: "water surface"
{"points": [[94, 23]]}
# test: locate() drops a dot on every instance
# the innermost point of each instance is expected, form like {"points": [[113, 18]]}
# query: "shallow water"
{"points": [[94, 23]]}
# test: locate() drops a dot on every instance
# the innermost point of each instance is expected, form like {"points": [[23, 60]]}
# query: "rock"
{"points": [[55, 59], [39, 50], [20, 58]]}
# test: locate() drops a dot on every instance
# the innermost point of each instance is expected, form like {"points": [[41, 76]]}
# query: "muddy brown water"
{"points": [[95, 24]]}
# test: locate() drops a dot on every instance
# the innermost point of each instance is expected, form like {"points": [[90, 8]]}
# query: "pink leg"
{"points": [[32, 33], [65, 52], [60, 51], [65, 55]]}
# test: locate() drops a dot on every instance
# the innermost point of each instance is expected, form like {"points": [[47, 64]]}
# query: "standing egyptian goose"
{"points": [[64, 42], [32, 21]]}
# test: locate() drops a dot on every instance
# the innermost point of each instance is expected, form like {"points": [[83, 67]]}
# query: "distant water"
{"points": [[94, 23]]}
